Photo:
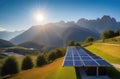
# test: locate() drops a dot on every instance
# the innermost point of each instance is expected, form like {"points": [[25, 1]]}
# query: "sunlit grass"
{"points": [[103, 52], [110, 49], [63, 73]]}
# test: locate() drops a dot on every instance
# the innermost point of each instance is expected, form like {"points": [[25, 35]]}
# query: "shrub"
{"points": [[89, 39], [71, 43], [77, 44], [27, 63], [117, 32], [59, 53], [51, 56], [56, 53], [9, 67], [41, 60]]}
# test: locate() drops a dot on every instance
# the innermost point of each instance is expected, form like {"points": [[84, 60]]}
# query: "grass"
{"points": [[50, 71], [109, 53], [63, 73]]}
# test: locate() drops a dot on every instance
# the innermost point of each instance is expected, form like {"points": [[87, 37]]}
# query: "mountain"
{"points": [[54, 34], [58, 34], [9, 35], [5, 44], [100, 24]]}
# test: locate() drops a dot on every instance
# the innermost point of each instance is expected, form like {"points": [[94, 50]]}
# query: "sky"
{"points": [[17, 15]]}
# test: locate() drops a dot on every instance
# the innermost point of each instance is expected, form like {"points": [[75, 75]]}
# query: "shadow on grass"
{"points": [[113, 73], [77, 73]]}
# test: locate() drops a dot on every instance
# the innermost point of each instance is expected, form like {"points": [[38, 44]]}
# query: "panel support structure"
{"points": [[97, 71]]}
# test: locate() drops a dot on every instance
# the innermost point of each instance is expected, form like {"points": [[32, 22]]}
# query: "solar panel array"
{"points": [[78, 56]]}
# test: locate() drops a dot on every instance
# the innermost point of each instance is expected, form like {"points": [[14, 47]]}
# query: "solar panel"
{"points": [[78, 56]]}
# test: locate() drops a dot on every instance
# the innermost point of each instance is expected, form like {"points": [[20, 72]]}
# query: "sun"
{"points": [[39, 17]]}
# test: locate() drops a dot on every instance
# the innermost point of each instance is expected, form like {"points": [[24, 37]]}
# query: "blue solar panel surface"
{"points": [[78, 56]]}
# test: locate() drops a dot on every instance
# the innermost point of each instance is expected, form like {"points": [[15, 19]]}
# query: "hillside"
{"points": [[5, 44], [50, 71]]}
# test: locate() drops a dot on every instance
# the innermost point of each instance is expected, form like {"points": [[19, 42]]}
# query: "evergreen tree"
{"points": [[41, 60], [117, 32], [77, 44], [27, 63], [71, 43], [52, 56], [9, 67]]}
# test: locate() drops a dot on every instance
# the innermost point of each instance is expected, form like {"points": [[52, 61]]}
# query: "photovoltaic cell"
{"points": [[77, 58], [103, 63], [78, 63], [90, 63], [69, 58], [96, 57], [68, 63], [86, 58]]}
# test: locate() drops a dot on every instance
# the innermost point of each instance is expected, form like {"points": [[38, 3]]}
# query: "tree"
{"points": [[27, 63], [117, 32], [89, 39], [107, 34], [52, 56], [77, 44], [59, 53], [41, 60], [71, 43], [9, 67]]}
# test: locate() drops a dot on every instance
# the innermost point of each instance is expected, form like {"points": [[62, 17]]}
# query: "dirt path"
{"points": [[116, 65], [109, 44]]}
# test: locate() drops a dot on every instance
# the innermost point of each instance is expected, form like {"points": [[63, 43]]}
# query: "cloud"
{"points": [[2, 29]]}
